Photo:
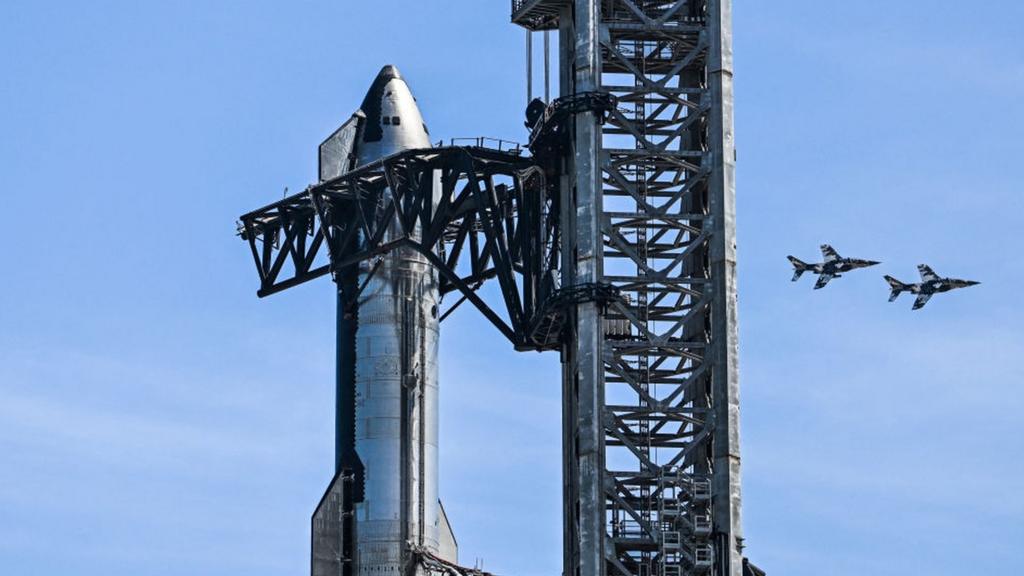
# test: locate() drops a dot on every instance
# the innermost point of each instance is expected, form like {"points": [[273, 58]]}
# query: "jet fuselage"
{"points": [[931, 283], [842, 265], [833, 266]]}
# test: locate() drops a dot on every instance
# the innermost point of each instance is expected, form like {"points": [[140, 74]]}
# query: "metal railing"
{"points": [[486, 142]]}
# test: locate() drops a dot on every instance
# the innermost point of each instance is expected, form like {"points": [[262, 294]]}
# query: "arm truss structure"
{"points": [[475, 213]]}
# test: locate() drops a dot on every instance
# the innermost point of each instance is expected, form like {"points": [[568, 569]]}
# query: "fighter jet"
{"points": [[930, 285], [833, 266]]}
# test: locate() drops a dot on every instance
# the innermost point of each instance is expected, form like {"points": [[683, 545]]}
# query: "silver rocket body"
{"points": [[396, 372], [396, 367]]}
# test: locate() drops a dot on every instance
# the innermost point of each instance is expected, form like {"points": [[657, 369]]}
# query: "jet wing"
{"points": [[927, 274], [829, 253], [338, 152], [922, 299], [822, 281]]}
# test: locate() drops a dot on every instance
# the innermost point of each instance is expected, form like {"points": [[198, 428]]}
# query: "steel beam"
{"points": [[724, 346], [584, 364]]}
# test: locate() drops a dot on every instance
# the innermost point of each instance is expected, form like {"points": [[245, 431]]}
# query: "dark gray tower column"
{"points": [[583, 373], [724, 346], [651, 428]]}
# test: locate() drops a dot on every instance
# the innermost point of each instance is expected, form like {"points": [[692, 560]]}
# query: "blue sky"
{"points": [[156, 418]]}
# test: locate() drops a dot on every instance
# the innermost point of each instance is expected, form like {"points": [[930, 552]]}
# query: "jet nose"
{"points": [[972, 283], [873, 263]]}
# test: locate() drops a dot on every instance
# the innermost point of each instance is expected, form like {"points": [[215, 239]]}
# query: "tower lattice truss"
{"points": [[652, 435]]}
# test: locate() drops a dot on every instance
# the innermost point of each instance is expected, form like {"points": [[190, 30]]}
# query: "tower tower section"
{"points": [[650, 379]]}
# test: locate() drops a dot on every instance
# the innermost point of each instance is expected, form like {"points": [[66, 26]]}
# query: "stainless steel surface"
{"points": [[529, 67], [586, 365], [723, 345], [337, 150], [396, 366], [547, 66], [328, 546], [448, 548]]}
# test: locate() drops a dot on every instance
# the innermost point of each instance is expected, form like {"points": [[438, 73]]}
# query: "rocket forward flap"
{"points": [[448, 546], [333, 529], [338, 152]]}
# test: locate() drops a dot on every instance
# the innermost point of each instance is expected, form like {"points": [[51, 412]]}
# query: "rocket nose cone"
{"points": [[389, 72], [371, 103], [392, 121]]}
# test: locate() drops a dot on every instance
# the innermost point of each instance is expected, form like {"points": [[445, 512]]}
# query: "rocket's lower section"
{"points": [[397, 412], [382, 511]]}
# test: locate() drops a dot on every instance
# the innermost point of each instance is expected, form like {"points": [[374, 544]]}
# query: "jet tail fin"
{"points": [[799, 267], [897, 288]]}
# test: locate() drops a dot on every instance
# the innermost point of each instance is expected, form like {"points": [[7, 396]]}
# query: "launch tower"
{"points": [[650, 382]]}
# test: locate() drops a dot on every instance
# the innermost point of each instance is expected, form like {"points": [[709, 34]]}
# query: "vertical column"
{"points": [[724, 347], [529, 67], [586, 255], [567, 217], [547, 66]]}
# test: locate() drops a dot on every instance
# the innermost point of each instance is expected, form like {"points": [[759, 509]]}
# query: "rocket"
{"points": [[381, 514]]}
